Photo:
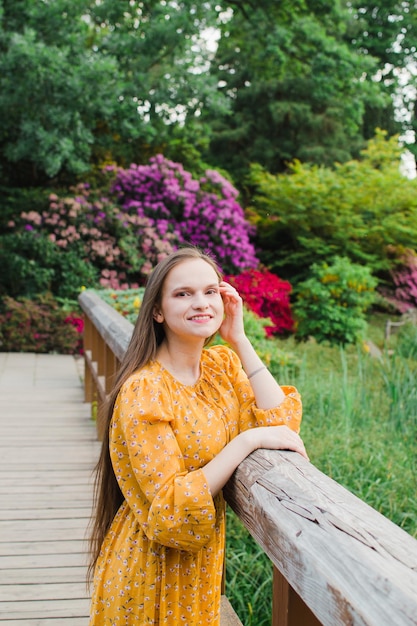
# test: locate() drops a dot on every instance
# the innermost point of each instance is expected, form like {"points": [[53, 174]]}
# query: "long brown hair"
{"points": [[146, 337]]}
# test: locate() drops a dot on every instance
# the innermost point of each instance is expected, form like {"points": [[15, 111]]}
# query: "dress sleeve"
{"points": [[174, 507], [288, 413]]}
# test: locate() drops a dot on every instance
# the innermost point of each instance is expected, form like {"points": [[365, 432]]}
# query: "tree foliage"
{"points": [[84, 81], [302, 84]]}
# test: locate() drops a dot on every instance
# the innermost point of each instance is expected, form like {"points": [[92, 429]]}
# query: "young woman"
{"points": [[181, 418]]}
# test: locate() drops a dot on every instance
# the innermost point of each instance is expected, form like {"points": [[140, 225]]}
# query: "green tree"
{"points": [[83, 81], [386, 30], [300, 84]]}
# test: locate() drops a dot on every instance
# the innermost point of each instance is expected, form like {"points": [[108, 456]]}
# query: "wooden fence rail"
{"points": [[336, 560]]}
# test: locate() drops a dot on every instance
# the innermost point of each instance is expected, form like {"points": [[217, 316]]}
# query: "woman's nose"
{"points": [[200, 301]]}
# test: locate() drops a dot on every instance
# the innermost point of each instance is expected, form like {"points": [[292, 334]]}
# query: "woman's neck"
{"points": [[183, 362]]}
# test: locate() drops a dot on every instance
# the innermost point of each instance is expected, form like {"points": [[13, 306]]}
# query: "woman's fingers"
{"points": [[282, 438]]}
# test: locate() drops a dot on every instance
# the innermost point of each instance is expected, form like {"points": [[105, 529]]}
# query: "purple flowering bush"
{"points": [[202, 212]]}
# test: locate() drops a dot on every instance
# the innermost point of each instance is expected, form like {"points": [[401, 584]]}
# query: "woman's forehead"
{"points": [[194, 272]]}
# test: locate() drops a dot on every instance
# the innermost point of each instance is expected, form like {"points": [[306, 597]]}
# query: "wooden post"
{"points": [[288, 609], [111, 365], [88, 342]]}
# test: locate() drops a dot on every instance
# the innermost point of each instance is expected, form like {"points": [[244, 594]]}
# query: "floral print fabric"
{"points": [[162, 560]]}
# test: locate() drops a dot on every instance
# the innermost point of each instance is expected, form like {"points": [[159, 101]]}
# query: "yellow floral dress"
{"points": [[162, 559]]}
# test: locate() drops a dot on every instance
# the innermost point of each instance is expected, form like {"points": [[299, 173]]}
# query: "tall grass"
{"points": [[360, 428]]}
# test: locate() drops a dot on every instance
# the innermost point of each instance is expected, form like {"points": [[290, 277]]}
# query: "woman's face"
{"points": [[191, 304]]}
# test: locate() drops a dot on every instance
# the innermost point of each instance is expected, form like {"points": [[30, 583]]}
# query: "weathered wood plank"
{"points": [[350, 564], [38, 591], [47, 533], [27, 576], [55, 462], [31, 610], [39, 514], [62, 621], [33, 561], [23, 525], [13, 548], [42, 475], [54, 489], [42, 502]]}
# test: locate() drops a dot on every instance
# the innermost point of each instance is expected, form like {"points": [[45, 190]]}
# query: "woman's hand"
{"points": [[232, 329], [276, 438], [218, 470]]}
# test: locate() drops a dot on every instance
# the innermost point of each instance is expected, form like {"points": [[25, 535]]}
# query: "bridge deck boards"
{"points": [[48, 449]]}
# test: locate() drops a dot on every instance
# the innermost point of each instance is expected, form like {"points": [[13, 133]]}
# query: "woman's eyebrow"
{"points": [[189, 287]]}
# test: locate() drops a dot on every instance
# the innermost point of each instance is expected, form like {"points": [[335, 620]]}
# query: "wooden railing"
{"points": [[106, 337], [336, 560]]}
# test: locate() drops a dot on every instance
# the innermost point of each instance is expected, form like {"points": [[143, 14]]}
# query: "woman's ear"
{"points": [[157, 315]]}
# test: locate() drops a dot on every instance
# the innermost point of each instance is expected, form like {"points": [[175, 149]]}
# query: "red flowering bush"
{"points": [[266, 295], [39, 325]]}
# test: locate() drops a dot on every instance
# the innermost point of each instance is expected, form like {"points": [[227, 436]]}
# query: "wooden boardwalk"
{"points": [[48, 449]]}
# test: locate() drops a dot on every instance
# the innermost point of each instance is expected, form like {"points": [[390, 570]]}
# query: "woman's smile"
{"points": [[201, 318]]}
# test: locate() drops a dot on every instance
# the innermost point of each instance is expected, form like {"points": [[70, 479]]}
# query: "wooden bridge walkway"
{"points": [[48, 448]]}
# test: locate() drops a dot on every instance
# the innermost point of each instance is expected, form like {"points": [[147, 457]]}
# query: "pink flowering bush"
{"points": [[268, 296], [123, 247], [403, 294]]}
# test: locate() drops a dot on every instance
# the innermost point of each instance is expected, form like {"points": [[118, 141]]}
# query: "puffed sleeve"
{"points": [[174, 507], [288, 413]]}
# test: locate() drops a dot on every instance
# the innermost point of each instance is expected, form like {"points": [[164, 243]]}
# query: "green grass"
{"points": [[359, 427]]}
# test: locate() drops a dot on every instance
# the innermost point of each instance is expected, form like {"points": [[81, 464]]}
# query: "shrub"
{"points": [[406, 344], [331, 305], [126, 302], [267, 296], [32, 264], [39, 325], [16, 200], [355, 210], [116, 248]]}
